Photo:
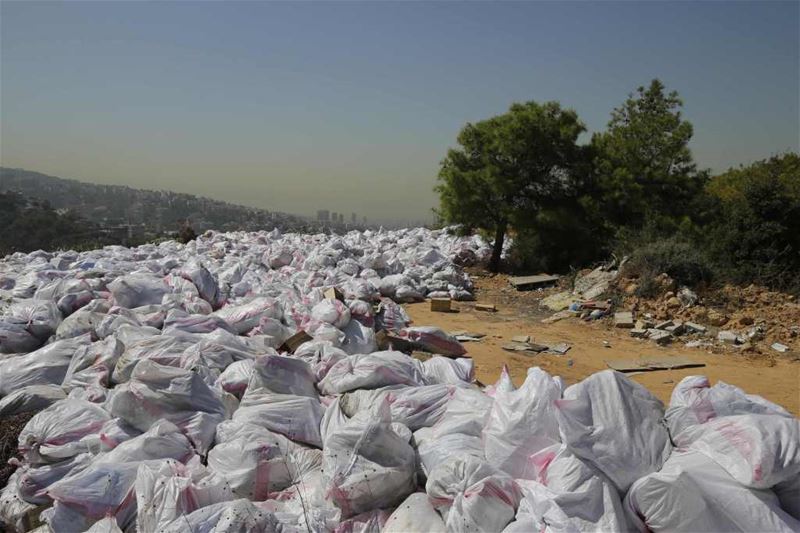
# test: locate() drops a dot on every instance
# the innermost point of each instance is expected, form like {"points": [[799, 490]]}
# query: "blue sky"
{"points": [[351, 105]]}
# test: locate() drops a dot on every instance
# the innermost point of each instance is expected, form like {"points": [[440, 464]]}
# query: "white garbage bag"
{"points": [[414, 407], [31, 398], [296, 417], [521, 423], [471, 495], [694, 401], [257, 462], [46, 366], [567, 495], [39, 317], [236, 376], [331, 311], [758, 451], [368, 466], [415, 515], [370, 371], [692, 493], [616, 425], [14, 338], [452, 371], [243, 317], [135, 290], [237, 516], [59, 432], [166, 490]]}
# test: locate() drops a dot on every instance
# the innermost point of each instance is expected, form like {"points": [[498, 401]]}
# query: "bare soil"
{"points": [[773, 376]]}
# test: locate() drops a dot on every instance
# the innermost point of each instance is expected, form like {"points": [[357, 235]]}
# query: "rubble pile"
{"points": [[243, 383]]}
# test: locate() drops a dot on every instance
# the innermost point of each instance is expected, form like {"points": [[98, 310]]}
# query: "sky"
{"points": [[351, 106]]}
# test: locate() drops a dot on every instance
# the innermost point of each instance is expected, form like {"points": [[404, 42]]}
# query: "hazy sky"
{"points": [[351, 106]]}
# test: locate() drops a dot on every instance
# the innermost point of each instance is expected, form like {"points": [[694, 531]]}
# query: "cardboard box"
{"points": [[441, 305]]}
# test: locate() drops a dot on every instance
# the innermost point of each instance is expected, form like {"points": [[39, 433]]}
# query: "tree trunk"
{"points": [[497, 250]]}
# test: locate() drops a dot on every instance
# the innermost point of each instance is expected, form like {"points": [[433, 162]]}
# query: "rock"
{"points": [[715, 318], [631, 289], [521, 338], [623, 319], [644, 324], [669, 295], [638, 333], [673, 303], [729, 337], [778, 347], [746, 321], [665, 324]]}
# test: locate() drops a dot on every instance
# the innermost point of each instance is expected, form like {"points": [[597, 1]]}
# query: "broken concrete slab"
{"points": [[638, 333], [729, 337], [677, 328], [648, 364], [644, 324], [692, 327], [778, 347], [526, 283], [521, 338], [623, 319], [559, 349], [665, 324], [659, 336]]}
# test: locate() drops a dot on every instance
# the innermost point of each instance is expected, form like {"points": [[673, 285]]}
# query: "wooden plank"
{"points": [[486, 307], [294, 342], [648, 364], [524, 283]]}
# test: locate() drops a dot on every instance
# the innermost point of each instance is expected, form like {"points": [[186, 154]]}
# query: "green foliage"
{"points": [[754, 234], [508, 167], [644, 168], [680, 258]]}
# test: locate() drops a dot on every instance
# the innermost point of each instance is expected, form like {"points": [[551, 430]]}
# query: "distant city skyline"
{"points": [[289, 106]]}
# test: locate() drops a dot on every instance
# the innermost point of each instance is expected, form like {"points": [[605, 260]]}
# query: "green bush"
{"points": [[680, 259]]}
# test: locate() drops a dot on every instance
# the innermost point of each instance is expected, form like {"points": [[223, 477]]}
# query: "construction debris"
{"points": [[623, 319], [648, 364], [441, 305], [526, 283], [491, 308]]}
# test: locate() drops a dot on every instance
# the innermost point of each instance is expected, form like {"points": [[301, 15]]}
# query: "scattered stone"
{"points": [[673, 303], [521, 338], [778, 347], [691, 327], [668, 295], [746, 321], [631, 289], [561, 315], [697, 344], [606, 344], [639, 333], [665, 324], [623, 319], [644, 324], [729, 337]]}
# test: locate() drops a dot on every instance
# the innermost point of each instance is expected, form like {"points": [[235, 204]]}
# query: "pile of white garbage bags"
{"points": [[168, 400]]}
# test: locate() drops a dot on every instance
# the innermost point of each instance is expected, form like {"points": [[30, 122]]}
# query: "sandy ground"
{"points": [[775, 378]]}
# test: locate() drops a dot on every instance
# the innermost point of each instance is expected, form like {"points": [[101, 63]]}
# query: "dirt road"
{"points": [[774, 378]]}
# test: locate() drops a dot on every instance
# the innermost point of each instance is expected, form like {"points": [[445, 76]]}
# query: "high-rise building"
{"points": [[334, 217], [353, 218], [341, 218], [323, 215]]}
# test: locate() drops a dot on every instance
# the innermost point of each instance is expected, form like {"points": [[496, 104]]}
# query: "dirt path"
{"points": [[777, 379]]}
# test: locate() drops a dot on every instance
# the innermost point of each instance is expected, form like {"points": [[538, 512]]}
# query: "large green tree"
{"points": [[507, 167], [644, 168]]}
